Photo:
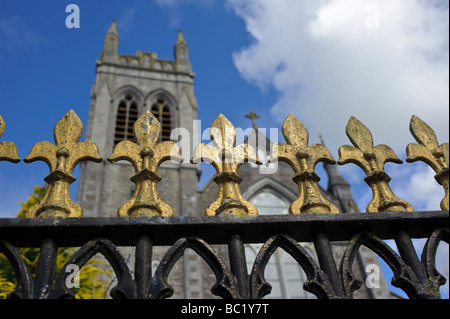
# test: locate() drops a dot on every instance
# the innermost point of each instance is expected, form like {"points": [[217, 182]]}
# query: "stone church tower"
{"points": [[125, 87]]}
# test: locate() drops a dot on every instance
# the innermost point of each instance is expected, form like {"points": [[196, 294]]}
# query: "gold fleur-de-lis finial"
{"points": [[146, 156], [303, 159], [61, 157], [372, 160], [226, 159], [8, 150], [429, 151]]}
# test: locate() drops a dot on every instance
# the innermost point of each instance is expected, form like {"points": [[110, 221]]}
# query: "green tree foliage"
{"points": [[93, 276]]}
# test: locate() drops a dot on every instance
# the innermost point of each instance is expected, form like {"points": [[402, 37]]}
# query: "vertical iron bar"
{"points": [[328, 264], [143, 266], [409, 255], [238, 264], [45, 272], [423, 287]]}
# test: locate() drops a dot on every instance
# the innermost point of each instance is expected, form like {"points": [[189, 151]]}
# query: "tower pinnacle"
{"points": [[113, 28], [109, 52], [180, 38], [182, 54]]}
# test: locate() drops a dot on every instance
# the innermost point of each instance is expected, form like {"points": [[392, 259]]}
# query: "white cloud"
{"points": [[16, 34], [381, 61], [416, 184], [412, 182], [172, 3], [166, 2], [175, 16], [125, 21]]}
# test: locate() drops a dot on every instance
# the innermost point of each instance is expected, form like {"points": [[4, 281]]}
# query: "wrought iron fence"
{"points": [[417, 277], [146, 221]]}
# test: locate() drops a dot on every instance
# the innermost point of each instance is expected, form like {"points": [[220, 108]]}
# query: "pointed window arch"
{"points": [[268, 203], [127, 114], [161, 110]]}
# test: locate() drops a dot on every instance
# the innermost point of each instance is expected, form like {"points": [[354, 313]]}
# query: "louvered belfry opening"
{"points": [[127, 114], [161, 111]]}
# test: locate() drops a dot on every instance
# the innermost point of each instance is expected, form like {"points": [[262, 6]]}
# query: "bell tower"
{"points": [[125, 87]]}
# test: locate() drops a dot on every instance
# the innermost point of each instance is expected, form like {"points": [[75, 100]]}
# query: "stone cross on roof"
{"points": [[253, 116]]}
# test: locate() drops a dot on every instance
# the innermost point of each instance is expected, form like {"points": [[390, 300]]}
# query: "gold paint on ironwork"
{"points": [[8, 150], [303, 159], [146, 156], [61, 157], [429, 151], [372, 159], [226, 159]]}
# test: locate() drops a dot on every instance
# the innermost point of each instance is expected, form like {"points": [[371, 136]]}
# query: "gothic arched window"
{"points": [[161, 110], [268, 203], [127, 114]]}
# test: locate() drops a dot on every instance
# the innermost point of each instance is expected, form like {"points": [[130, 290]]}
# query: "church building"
{"points": [[125, 87]]}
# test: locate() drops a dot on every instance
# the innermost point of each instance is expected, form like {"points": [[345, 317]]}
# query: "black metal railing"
{"points": [[326, 278]]}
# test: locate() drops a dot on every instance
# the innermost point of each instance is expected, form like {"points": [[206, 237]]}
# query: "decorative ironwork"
{"points": [[146, 156], [316, 282], [62, 157], [418, 278], [24, 281], [226, 159], [125, 288], [225, 286], [372, 159], [8, 150], [327, 277], [303, 159], [429, 151]]}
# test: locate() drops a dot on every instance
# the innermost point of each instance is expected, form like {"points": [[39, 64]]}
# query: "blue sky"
{"points": [[47, 69], [381, 61]]}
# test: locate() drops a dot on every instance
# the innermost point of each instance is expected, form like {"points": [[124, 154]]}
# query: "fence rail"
{"points": [[74, 232]]}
